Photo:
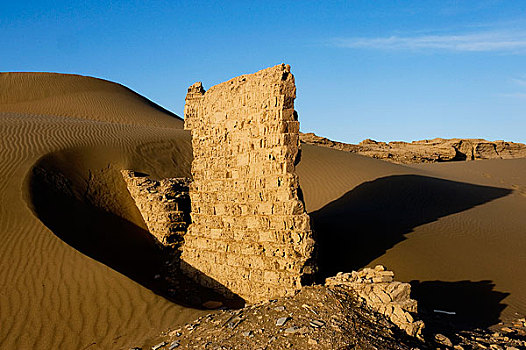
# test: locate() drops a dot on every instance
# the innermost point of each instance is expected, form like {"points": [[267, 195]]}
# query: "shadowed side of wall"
{"points": [[164, 205], [249, 230]]}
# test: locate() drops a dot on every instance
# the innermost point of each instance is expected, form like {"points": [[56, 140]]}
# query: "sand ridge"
{"points": [[85, 130], [450, 227], [82, 97], [56, 297]]}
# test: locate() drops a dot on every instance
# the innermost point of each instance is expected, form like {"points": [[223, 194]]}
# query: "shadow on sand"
{"points": [[458, 305], [360, 226], [114, 241]]}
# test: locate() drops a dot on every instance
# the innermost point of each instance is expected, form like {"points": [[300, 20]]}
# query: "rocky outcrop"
{"points": [[324, 317], [377, 288], [317, 317], [164, 205], [426, 151], [250, 234], [349, 312]]}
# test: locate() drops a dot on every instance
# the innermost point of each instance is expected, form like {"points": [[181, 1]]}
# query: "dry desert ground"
{"points": [[78, 267]]}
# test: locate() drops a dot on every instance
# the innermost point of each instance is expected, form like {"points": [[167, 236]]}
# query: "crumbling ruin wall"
{"points": [[164, 205], [250, 234], [379, 291]]}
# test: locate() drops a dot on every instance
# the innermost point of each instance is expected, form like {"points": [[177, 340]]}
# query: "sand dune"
{"points": [[54, 296], [82, 97], [457, 230], [77, 263]]}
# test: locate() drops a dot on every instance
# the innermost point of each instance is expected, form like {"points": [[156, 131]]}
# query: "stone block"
{"points": [[164, 205], [244, 195]]}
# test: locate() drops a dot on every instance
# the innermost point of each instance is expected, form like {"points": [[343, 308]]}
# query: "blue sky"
{"points": [[387, 70]]}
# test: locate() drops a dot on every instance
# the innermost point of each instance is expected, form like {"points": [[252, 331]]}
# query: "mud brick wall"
{"points": [[250, 234], [164, 205]]}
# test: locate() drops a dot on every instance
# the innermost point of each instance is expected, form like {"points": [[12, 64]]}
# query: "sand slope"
{"points": [[458, 230], [81, 97], [76, 258], [52, 295]]}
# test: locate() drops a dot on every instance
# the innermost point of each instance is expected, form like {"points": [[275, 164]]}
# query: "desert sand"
{"points": [[78, 267], [457, 230], [75, 281]]}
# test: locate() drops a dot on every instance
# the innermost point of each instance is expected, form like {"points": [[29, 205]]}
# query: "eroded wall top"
{"points": [[250, 234]]}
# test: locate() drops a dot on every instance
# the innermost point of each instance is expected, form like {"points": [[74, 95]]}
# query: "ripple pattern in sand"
{"points": [[52, 295]]}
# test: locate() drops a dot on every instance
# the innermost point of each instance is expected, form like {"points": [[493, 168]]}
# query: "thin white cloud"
{"points": [[471, 42], [521, 95], [521, 82]]}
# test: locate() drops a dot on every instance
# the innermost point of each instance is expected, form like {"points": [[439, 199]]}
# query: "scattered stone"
{"points": [[160, 345], [343, 322], [317, 323], [442, 339], [174, 345], [292, 329], [309, 308], [279, 308], [378, 291], [234, 322], [175, 333], [281, 321]]}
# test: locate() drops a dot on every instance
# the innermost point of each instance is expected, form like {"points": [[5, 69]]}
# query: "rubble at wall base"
{"points": [[377, 288]]}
